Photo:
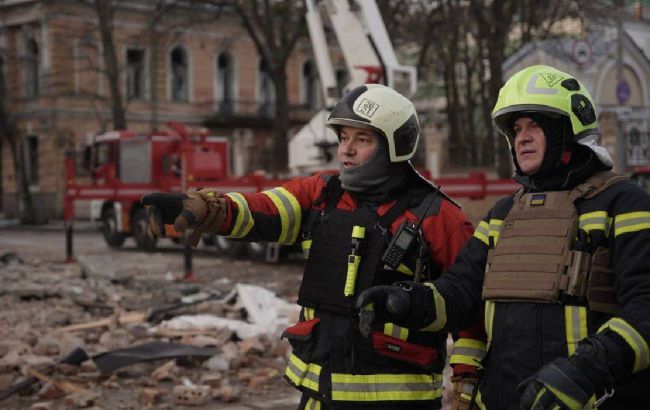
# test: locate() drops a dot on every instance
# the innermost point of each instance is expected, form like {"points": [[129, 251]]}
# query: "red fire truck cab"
{"points": [[125, 166]]}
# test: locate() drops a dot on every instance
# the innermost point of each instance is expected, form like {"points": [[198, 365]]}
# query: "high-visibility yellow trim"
{"points": [[395, 331], [386, 387], [489, 320], [633, 338], [479, 401], [597, 220], [468, 351], [575, 323], [567, 400], [351, 275], [312, 404], [359, 232], [303, 374], [290, 214], [631, 222], [482, 232], [441, 311], [306, 247], [495, 229], [244, 221], [404, 269], [308, 313]]}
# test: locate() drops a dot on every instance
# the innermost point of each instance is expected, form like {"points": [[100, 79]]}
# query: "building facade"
{"points": [[189, 65]]}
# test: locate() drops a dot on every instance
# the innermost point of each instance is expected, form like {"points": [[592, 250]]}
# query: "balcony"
{"points": [[252, 114]]}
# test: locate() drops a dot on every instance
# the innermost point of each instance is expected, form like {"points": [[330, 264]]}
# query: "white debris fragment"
{"points": [[267, 314]]}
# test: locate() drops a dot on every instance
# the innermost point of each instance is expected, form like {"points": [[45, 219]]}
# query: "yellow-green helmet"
{"points": [[546, 90]]}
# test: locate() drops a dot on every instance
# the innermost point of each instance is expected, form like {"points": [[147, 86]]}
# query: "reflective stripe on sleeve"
{"points": [[468, 351], [441, 311], [495, 229], [395, 331], [290, 214], [575, 323], [633, 338], [312, 404], [631, 222], [244, 221], [482, 232], [592, 221], [489, 318], [303, 374], [386, 387]]}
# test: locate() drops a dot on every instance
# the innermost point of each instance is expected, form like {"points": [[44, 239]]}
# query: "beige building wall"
{"points": [[72, 101]]}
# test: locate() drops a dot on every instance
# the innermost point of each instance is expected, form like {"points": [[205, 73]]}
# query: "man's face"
{"points": [[356, 147], [530, 145]]}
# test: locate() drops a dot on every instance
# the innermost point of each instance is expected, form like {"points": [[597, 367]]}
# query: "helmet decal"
{"points": [[367, 108]]}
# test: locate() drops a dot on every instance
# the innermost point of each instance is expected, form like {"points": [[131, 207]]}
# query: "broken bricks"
{"points": [[191, 395]]}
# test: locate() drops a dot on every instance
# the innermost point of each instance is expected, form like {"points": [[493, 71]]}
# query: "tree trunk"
{"points": [[105, 12], [281, 122]]}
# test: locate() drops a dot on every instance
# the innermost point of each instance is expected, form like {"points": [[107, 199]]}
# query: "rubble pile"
{"points": [[71, 338]]}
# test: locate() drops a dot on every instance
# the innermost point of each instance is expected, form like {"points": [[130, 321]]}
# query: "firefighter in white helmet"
{"points": [[561, 269], [375, 222]]}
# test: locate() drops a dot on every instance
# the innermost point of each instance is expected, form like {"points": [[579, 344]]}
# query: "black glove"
{"points": [[162, 209], [407, 304], [568, 383]]}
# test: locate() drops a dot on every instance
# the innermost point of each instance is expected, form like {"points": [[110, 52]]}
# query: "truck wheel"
{"points": [[139, 230], [228, 247], [112, 236]]}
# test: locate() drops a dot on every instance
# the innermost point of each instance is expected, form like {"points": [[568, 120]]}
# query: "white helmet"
{"points": [[383, 110]]}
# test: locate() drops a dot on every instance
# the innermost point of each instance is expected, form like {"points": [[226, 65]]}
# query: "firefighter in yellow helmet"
{"points": [[346, 222], [560, 270]]}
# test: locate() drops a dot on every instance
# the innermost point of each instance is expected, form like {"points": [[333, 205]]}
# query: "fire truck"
{"points": [[124, 166]]}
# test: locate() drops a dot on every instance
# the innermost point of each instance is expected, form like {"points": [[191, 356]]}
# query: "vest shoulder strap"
{"points": [[596, 184]]}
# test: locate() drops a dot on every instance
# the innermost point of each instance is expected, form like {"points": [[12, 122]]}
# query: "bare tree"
{"points": [[105, 10], [275, 27]]}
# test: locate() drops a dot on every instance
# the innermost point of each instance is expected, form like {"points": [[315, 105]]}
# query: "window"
{"points": [[309, 83], [265, 91], [31, 159], [225, 83], [179, 75], [637, 147], [31, 69], [135, 74]]}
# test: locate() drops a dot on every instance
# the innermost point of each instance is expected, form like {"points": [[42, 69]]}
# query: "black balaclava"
{"points": [[556, 132], [556, 172]]}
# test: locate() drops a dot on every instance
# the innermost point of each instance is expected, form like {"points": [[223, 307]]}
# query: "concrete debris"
{"points": [[117, 301]]}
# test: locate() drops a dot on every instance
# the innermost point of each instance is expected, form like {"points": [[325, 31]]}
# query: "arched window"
{"points": [[309, 85], [31, 69], [225, 83], [265, 90], [179, 74]]}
